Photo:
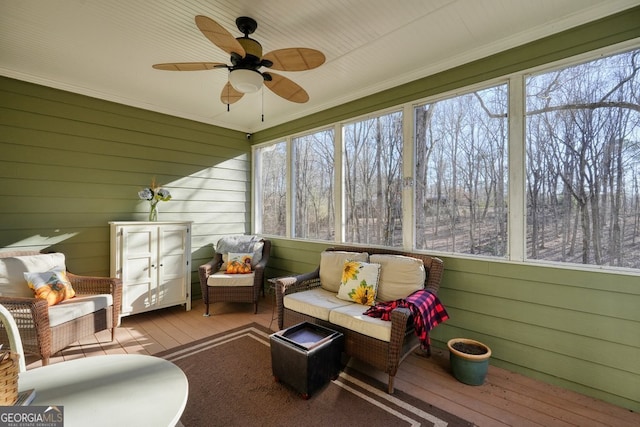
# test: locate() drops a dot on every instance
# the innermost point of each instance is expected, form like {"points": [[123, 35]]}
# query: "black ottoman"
{"points": [[306, 356]]}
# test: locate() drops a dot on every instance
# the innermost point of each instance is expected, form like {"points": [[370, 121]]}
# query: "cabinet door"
{"points": [[174, 274], [139, 268]]}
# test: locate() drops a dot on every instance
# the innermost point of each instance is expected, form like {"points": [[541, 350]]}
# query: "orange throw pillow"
{"points": [[53, 286]]}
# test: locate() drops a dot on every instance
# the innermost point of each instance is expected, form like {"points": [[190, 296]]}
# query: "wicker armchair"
{"points": [[249, 294], [32, 315], [382, 355]]}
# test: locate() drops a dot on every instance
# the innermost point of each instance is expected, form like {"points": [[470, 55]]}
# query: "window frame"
{"points": [[516, 157]]}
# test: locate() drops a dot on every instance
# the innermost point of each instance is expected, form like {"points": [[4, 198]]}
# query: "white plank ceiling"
{"points": [[105, 48]]}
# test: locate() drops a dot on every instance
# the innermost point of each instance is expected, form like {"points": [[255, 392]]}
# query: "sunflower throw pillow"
{"points": [[53, 286], [359, 282]]}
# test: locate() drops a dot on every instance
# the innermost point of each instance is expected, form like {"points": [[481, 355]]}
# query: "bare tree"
{"points": [[591, 121]]}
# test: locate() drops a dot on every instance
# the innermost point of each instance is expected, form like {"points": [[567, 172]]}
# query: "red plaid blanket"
{"points": [[426, 309]]}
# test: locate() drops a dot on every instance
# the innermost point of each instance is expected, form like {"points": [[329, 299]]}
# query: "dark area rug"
{"points": [[231, 384]]}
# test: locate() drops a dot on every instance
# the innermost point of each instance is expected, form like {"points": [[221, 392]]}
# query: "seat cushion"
{"points": [[78, 306], [332, 265], [316, 302], [351, 317], [400, 276], [12, 269], [221, 278]]}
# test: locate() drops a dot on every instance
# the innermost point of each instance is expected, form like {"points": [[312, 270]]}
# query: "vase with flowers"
{"points": [[154, 194]]}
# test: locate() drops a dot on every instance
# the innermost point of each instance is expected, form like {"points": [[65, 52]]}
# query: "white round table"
{"points": [[114, 390]]}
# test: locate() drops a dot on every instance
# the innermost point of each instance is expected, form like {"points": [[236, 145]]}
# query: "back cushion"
{"points": [[331, 265], [240, 244], [400, 276], [12, 269]]}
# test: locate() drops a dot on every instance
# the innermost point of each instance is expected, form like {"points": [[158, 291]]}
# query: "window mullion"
{"points": [[517, 186], [408, 172], [338, 183], [256, 180], [290, 223]]}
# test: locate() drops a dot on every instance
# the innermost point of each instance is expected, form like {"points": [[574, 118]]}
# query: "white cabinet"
{"points": [[153, 259]]}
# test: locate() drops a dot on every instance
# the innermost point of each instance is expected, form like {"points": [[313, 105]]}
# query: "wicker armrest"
{"points": [[301, 282], [27, 311], [206, 270], [90, 285], [399, 323], [32, 318], [291, 284]]}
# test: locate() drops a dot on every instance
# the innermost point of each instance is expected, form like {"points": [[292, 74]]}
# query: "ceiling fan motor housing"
{"points": [[253, 51]]}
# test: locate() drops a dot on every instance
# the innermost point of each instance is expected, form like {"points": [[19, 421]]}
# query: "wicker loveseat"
{"points": [[46, 330], [381, 344]]}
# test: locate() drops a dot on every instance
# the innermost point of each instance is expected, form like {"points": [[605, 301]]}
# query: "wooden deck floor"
{"points": [[506, 398]]}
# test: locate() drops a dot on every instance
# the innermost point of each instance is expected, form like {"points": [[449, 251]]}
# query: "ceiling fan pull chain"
{"points": [[262, 105]]}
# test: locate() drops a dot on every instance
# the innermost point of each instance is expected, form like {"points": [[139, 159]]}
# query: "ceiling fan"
{"points": [[247, 59]]}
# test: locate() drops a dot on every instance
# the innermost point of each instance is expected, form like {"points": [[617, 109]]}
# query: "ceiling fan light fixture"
{"points": [[246, 81]]}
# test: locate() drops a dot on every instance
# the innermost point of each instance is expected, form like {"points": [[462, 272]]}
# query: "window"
{"points": [[313, 175], [272, 178], [583, 163], [373, 180], [461, 173], [574, 180]]}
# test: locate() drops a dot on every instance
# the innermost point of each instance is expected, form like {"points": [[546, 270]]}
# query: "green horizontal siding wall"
{"points": [[576, 329], [69, 164], [579, 329]]}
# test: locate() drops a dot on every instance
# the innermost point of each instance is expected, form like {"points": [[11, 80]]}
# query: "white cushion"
{"points": [[400, 276], [240, 243], [316, 302], [12, 269], [351, 317], [331, 265], [221, 278], [77, 307]]}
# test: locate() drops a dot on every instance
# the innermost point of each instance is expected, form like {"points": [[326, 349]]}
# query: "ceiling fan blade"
{"points": [[295, 59], [219, 36], [229, 95], [286, 88], [189, 66]]}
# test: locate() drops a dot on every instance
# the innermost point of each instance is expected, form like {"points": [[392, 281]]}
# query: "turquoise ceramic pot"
{"points": [[469, 368]]}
